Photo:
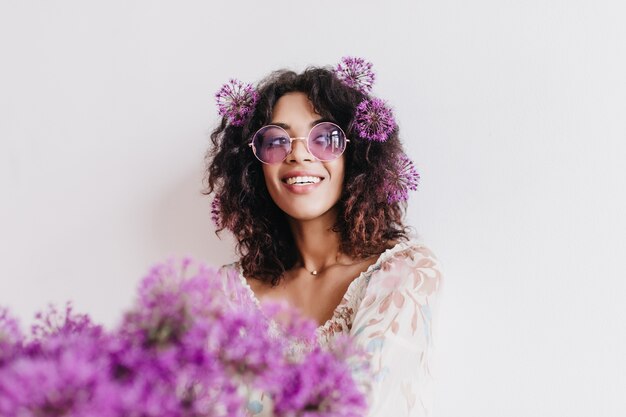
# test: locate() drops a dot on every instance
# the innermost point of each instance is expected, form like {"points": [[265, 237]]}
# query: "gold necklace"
{"points": [[316, 272]]}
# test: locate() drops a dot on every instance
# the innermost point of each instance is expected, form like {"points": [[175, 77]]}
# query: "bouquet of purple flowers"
{"points": [[184, 349]]}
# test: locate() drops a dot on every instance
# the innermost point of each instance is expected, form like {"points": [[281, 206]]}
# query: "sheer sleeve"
{"points": [[394, 324], [233, 287]]}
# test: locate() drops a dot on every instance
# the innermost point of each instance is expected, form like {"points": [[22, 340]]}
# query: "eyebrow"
{"points": [[313, 123]]}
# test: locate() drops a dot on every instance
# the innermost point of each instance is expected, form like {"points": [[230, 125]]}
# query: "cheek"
{"points": [[337, 171], [269, 176]]}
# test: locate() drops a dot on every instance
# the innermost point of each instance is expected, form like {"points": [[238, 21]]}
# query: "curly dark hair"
{"points": [[367, 223]]}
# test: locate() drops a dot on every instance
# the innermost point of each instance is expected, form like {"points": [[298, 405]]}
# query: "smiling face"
{"points": [[302, 186]]}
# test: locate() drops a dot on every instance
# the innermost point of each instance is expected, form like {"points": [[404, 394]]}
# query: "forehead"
{"points": [[294, 108]]}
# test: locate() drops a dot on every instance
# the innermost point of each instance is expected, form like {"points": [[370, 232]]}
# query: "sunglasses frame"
{"points": [[304, 138]]}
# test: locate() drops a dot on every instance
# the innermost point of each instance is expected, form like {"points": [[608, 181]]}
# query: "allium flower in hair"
{"points": [[406, 178], [236, 100], [356, 73], [374, 120]]}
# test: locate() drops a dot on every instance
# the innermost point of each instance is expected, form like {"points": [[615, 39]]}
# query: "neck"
{"points": [[317, 244]]}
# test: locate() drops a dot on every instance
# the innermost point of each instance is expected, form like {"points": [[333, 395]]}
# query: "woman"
{"points": [[310, 177]]}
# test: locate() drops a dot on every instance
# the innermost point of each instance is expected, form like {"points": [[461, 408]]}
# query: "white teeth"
{"points": [[303, 180]]}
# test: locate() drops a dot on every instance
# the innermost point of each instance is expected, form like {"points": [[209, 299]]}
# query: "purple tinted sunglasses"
{"points": [[271, 144]]}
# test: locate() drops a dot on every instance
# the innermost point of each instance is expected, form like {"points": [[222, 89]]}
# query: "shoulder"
{"points": [[228, 273], [232, 281], [401, 296], [231, 267], [408, 266]]}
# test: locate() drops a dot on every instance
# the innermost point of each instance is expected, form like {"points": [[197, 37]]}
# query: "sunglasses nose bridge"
{"points": [[304, 148], [302, 138]]}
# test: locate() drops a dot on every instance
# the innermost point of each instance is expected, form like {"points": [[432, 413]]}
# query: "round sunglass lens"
{"points": [[271, 144], [327, 141]]}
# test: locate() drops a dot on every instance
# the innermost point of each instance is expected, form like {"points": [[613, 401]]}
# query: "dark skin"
{"points": [[311, 212], [316, 297]]}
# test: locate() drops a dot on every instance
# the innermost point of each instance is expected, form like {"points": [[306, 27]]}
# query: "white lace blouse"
{"points": [[389, 310]]}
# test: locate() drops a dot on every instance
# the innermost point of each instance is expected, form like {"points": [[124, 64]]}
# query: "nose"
{"points": [[299, 151]]}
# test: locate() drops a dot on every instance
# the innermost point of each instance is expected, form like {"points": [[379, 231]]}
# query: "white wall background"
{"points": [[514, 112]]}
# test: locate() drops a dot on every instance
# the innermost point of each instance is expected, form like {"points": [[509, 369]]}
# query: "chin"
{"points": [[304, 216], [308, 212]]}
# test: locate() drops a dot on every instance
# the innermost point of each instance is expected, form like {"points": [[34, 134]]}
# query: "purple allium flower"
{"points": [[53, 322], [320, 385], [171, 356], [184, 349], [245, 346], [292, 324], [374, 120], [406, 178], [11, 336], [169, 302], [215, 211], [356, 73], [9, 328], [60, 373], [49, 386], [236, 100], [176, 380]]}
